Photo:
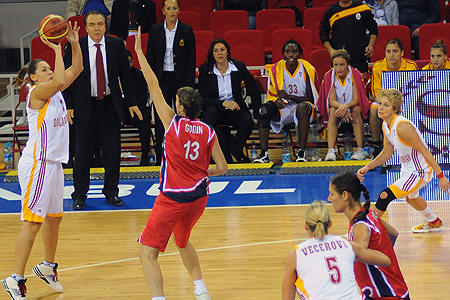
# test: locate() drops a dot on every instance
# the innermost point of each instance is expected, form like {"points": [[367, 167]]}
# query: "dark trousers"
{"points": [[102, 128], [144, 127], [169, 87], [221, 119]]}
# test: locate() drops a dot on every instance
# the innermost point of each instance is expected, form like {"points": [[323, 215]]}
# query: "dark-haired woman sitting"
{"points": [[221, 81]]}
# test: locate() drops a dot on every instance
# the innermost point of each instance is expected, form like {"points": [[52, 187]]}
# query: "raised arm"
{"points": [[76, 68], [164, 111], [45, 90]]}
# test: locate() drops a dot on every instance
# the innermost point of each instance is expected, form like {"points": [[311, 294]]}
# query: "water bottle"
{"points": [[253, 152], [8, 155], [152, 158], [285, 151], [348, 147]]}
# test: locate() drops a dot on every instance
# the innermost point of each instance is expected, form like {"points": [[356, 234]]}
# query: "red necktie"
{"points": [[101, 88]]}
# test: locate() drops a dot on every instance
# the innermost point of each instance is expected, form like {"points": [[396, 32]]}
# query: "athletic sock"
{"points": [[48, 264], [199, 287], [17, 277], [428, 214]]}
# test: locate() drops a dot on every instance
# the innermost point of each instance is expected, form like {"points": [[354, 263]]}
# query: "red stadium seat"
{"points": [[192, 18], [320, 59], [281, 36], [311, 21], [129, 44], [323, 3], [269, 20], [429, 34], [246, 46], [80, 22], [159, 7], [443, 12], [204, 7], [40, 51], [224, 20], [386, 33], [203, 39]]}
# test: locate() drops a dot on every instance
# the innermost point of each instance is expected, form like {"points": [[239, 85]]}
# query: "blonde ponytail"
{"points": [[318, 219]]}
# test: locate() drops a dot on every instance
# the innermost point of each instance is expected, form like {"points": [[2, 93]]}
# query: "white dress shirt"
{"points": [[93, 65], [168, 57], [224, 82]]}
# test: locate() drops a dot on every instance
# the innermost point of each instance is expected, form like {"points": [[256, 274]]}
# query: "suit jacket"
{"points": [[183, 52], [78, 95], [209, 88], [120, 17]]}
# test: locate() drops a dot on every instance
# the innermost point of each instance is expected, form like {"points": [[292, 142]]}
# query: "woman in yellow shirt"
{"points": [[393, 61], [438, 57]]}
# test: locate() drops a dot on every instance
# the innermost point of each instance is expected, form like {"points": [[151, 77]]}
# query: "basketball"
{"points": [[54, 28]]}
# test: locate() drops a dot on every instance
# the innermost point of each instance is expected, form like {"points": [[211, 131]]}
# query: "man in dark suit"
{"points": [[128, 15], [171, 54], [95, 107]]}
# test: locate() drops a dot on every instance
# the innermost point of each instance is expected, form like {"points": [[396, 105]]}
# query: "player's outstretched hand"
{"points": [[444, 184], [361, 172]]}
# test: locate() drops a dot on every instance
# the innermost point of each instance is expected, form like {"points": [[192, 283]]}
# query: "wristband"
{"points": [[440, 175]]}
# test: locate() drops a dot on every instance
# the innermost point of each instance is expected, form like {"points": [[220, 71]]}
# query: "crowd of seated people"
{"points": [[293, 87]]}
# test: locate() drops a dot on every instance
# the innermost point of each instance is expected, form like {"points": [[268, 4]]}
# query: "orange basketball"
{"points": [[54, 28]]}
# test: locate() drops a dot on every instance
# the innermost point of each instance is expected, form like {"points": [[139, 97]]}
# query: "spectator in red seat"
{"points": [[438, 57], [128, 15], [344, 26], [291, 98], [343, 98], [385, 12], [415, 13], [221, 81], [394, 61]]}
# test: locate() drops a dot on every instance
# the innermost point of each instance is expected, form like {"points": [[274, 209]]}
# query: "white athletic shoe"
{"points": [[49, 275], [203, 296], [359, 155], [428, 227], [331, 155], [16, 289]]}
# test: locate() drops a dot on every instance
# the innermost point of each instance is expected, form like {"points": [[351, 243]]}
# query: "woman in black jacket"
{"points": [[221, 81]]}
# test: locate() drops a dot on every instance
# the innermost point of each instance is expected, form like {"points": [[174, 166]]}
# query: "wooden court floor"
{"points": [[242, 252]]}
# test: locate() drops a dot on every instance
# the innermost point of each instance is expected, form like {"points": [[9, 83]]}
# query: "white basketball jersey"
{"points": [[410, 159], [344, 90], [48, 137], [294, 84], [325, 269]]}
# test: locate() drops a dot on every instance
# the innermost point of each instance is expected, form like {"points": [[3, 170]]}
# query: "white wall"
{"points": [[17, 19]]}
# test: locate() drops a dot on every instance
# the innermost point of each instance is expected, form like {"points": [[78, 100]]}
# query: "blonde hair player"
{"points": [[417, 162], [188, 147], [40, 172], [322, 266]]}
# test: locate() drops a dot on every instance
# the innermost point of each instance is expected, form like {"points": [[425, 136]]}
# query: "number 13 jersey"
{"points": [[325, 269], [187, 149]]}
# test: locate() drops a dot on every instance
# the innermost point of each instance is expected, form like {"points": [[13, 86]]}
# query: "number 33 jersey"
{"points": [[187, 149], [325, 269]]}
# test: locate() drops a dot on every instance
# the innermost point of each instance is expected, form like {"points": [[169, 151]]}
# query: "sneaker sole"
{"points": [[427, 230]]}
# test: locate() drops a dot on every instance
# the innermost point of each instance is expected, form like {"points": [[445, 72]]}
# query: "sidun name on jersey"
{"points": [[193, 129]]}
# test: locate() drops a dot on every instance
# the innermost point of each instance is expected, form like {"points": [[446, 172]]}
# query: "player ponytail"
{"points": [[191, 100], [318, 219], [349, 182], [21, 78]]}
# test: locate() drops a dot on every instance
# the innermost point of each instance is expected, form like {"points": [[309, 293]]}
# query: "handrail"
{"points": [[22, 49]]}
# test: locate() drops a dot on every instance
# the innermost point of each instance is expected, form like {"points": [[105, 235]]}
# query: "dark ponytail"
{"points": [[362, 215], [349, 182]]}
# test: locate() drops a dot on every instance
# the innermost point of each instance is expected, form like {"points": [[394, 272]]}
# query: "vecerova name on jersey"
{"points": [[324, 247]]}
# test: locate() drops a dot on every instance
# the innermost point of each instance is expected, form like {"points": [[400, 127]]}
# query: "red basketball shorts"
{"points": [[169, 216]]}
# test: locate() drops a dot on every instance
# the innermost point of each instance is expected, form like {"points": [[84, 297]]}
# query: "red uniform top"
{"points": [[187, 149], [376, 281]]}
